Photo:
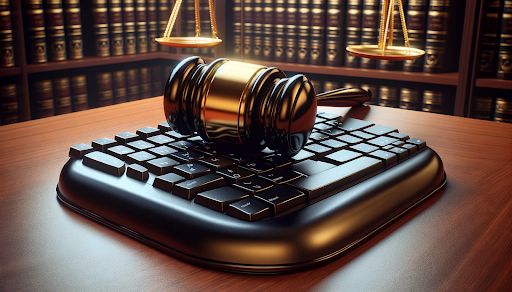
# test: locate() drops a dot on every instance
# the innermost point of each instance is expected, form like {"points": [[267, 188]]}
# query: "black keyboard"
{"points": [[251, 212]]}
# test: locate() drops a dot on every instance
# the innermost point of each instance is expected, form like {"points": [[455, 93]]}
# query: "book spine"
{"points": [[388, 96], [432, 101], [43, 99], [350, 85], [482, 108], [105, 91], [73, 28], [54, 20], [141, 26], [505, 47], [317, 84], [188, 27], [115, 15], [335, 33], [79, 93], [62, 95], [436, 45], [370, 29], [163, 14], [291, 30], [268, 30], [132, 80], [317, 34], [353, 30], [6, 43], [236, 33], [416, 28], [145, 82], [119, 86], [303, 32], [257, 26], [410, 98], [489, 41], [503, 110], [331, 85], [248, 29], [279, 30], [152, 25], [206, 29], [100, 28], [130, 37], [35, 31], [156, 80], [8, 104]]}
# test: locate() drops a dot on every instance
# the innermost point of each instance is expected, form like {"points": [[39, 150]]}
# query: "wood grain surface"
{"points": [[458, 240]]}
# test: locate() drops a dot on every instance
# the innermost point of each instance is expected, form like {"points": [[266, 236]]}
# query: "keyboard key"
{"points": [[280, 175], [161, 165], [183, 145], [401, 152], [104, 162], [176, 135], [364, 148], [140, 145], [137, 172], [413, 150], [333, 132], [311, 167], [382, 141], [256, 167], [398, 136], [216, 162], [160, 139], [234, 174], [187, 156], [351, 140], [275, 161], [208, 150], [126, 137], [248, 209], [189, 188], [198, 140], [362, 135], [328, 116], [318, 149], [350, 124], [166, 182], [336, 177], [252, 185], [164, 127], [419, 143], [319, 120], [334, 144], [147, 132], [389, 159], [238, 157], [342, 156], [139, 157], [380, 130], [281, 198], [162, 151], [398, 143], [318, 137], [120, 151], [78, 151], [218, 199], [103, 144], [321, 127], [191, 170]]}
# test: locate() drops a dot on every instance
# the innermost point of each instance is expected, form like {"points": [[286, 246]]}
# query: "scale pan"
{"points": [[392, 53], [188, 42]]}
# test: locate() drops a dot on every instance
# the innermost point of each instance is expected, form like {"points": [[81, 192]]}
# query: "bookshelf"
{"points": [[464, 81]]}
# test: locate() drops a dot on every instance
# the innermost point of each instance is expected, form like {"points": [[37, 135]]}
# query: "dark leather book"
{"points": [[141, 26], [35, 35], [163, 14], [317, 33], [79, 96], [268, 30], [503, 110], [62, 95], [42, 98], [130, 37], [152, 26], [132, 81], [410, 98], [257, 26], [115, 17], [304, 29], [437, 45], [119, 86], [188, 24], [104, 89], [73, 29], [96, 32], [370, 29], [482, 107], [331, 85], [353, 30], [56, 39], [388, 96], [6, 42], [145, 82], [248, 28], [432, 101], [486, 66], [417, 29], [335, 33], [279, 30], [236, 47], [8, 104], [505, 46], [291, 30], [156, 80]]}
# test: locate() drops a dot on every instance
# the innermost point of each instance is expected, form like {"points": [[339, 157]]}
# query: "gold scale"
{"points": [[383, 51]]}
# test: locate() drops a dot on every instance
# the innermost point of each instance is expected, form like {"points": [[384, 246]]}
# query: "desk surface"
{"points": [[458, 240]]}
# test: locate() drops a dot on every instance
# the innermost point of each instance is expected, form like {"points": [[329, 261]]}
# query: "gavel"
{"points": [[247, 106]]}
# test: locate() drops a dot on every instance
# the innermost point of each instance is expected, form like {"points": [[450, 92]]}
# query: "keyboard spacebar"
{"points": [[333, 178]]}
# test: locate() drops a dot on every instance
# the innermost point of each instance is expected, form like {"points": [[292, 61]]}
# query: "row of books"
{"points": [[492, 108], [317, 32], [58, 30]]}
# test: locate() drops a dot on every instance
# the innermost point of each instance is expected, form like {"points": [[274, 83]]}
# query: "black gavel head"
{"points": [[242, 105]]}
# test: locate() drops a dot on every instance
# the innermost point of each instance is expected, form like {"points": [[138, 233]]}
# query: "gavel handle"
{"points": [[343, 97]]}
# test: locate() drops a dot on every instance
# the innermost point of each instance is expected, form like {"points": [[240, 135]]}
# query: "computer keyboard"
{"points": [[251, 212]]}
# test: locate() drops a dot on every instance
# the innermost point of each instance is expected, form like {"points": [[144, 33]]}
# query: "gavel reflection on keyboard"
{"points": [[245, 105]]}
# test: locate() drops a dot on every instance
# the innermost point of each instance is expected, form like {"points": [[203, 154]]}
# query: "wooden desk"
{"points": [[458, 240]]}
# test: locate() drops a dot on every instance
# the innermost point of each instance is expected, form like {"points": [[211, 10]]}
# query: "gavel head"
{"points": [[240, 105]]}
